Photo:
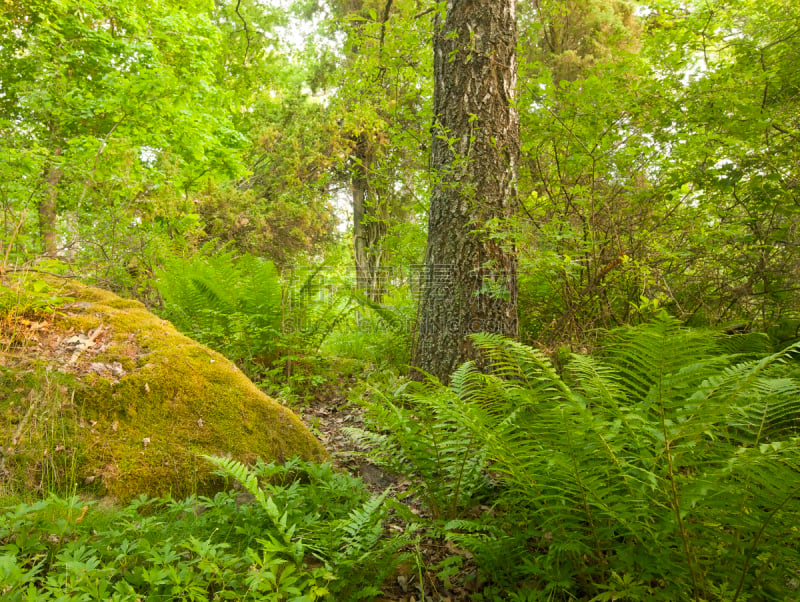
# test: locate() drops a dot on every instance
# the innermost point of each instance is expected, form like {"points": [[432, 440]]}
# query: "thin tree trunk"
{"points": [[369, 224], [48, 206], [470, 279]]}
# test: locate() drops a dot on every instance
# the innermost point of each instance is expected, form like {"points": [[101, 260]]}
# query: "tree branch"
{"points": [[246, 31], [384, 19]]}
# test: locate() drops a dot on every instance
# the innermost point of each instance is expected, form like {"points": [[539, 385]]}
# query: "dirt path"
{"points": [[326, 414]]}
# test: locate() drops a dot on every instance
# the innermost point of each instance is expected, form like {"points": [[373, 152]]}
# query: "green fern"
{"points": [[668, 463], [386, 314], [353, 547], [249, 482], [315, 309], [425, 434], [362, 529], [230, 303]]}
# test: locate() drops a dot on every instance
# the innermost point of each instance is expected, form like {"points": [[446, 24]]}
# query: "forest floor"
{"points": [[326, 413]]}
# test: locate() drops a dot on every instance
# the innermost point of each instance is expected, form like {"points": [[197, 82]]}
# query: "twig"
{"points": [[246, 31], [85, 345], [4, 266], [23, 423]]}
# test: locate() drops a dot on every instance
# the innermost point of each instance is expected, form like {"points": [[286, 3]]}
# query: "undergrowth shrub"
{"points": [[299, 532], [232, 304], [663, 468], [423, 437], [380, 333], [37, 424], [25, 293], [316, 301], [278, 325]]}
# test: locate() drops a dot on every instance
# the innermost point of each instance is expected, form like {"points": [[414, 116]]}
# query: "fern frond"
{"points": [[231, 304], [389, 317], [670, 449], [249, 482], [364, 526]]}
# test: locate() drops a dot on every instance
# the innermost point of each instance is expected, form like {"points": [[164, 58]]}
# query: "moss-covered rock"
{"points": [[133, 403]]}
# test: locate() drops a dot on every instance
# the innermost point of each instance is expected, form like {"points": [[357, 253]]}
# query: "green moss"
{"points": [[141, 430], [39, 446]]}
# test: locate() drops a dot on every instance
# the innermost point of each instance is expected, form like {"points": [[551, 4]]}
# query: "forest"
{"points": [[486, 300]]}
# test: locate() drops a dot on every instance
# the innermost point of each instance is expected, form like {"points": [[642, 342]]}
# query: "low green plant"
{"points": [[25, 293], [37, 409], [295, 532], [351, 544], [317, 301], [663, 468], [35, 400], [380, 333]]}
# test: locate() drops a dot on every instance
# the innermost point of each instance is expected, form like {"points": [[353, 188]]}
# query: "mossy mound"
{"points": [[105, 396]]}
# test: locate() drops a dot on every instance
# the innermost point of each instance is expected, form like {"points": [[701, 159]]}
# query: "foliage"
{"points": [[278, 326], [242, 308], [658, 168], [664, 468], [325, 542], [28, 293], [326, 312], [232, 304], [379, 333], [422, 436], [281, 207], [334, 518], [381, 103], [318, 300], [39, 431], [130, 131], [111, 107], [659, 171]]}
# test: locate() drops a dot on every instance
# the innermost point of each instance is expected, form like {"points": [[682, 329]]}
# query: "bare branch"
{"points": [[246, 31]]}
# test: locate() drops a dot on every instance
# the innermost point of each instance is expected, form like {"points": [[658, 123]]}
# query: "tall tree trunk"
{"points": [[47, 206], [470, 280]]}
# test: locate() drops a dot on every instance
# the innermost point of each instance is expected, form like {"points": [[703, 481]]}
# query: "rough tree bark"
{"points": [[470, 282], [370, 222]]}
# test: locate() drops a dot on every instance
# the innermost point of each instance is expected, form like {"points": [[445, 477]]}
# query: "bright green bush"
{"points": [[379, 333]]}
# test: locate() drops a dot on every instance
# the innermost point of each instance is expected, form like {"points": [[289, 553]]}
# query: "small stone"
{"points": [[78, 305], [402, 581], [98, 368]]}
